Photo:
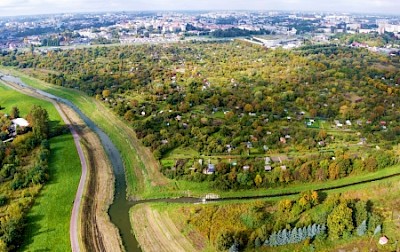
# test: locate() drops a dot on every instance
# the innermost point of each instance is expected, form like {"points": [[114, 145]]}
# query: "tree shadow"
{"points": [[322, 196], [33, 229]]}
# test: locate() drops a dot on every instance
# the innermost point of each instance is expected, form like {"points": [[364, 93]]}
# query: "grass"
{"points": [[48, 220], [143, 186], [10, 98], [110, 125]]}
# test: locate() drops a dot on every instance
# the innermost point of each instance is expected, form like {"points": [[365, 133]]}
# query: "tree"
{"points": [[378, 229], [258, 180], [272, 241], [257, 242], [294, 237], [371, 164], [360, 212], [106, 93], [225, 240], [374, 221], [334, 170], [38, 118], [248, 108], [362, 228], [340, 221], [14, 112]]}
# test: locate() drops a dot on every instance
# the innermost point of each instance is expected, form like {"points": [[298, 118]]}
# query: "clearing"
{"points": [[155, 231]]}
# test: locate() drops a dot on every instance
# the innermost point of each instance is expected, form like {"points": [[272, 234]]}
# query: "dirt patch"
{"points": [[155, 231]]}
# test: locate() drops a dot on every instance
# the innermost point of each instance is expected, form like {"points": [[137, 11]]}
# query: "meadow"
{"points": [[47, 222]]}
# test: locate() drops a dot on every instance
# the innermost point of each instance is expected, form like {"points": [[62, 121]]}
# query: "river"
{"points": [[119, 210]]}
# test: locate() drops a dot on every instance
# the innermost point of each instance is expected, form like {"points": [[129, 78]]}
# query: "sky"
{"points": [[29, 7]]}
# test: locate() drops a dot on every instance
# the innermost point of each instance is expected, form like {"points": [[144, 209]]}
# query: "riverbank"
{"points": [[47, 225], [144, 180], [94, 226]]}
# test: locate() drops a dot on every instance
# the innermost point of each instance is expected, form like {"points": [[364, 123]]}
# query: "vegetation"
{"points": [[233, 117], [24, 160], [47, 224], [234, 109], [236, 32], [311, 220]]}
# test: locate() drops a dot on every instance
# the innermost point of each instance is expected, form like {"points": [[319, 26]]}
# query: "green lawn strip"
{"points": [[327, 185], [48, 220], [10, 98]]}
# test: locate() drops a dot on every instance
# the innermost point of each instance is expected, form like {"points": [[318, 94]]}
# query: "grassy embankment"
{"points": [[47, 222], [142, 180]]}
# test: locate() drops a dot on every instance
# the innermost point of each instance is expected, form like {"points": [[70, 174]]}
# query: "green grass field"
{"points": [[48, 220], [10, 98]]}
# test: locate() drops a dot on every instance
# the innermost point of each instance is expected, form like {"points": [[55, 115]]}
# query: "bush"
{"points": [[3, 200]]}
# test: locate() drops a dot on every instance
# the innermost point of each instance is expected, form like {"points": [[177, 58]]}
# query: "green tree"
{"points": [[340, 222], [225, 240], [38, 118], [360, 212], [14, 112]]}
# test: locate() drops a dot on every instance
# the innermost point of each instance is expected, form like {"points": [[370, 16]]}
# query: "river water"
{"points": [[119, 210]]}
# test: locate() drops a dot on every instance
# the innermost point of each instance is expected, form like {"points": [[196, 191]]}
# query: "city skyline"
{"points": [[34, 7]]}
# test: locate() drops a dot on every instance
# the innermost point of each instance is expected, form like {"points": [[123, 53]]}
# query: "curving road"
{"points": [[18, 85]]}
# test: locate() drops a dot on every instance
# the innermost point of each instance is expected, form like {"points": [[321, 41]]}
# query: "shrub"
{"points": [[3, 200]]}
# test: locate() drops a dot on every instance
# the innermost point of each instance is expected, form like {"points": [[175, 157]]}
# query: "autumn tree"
{"points": [[106, 93]]}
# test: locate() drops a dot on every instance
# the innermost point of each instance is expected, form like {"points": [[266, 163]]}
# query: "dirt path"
{"points": [[90, 224], [156, 231]]}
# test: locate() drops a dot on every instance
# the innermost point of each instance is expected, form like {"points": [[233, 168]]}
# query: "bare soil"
{"points": [[155, 231]]}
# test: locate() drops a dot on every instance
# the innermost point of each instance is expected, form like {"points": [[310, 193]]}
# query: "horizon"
{"points": [[16, 8]]}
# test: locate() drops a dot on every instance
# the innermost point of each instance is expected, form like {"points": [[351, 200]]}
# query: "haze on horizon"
{"points": [[32, 7]]}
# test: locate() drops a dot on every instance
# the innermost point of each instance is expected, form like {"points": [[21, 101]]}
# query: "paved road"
{"points": [[21, 87]]}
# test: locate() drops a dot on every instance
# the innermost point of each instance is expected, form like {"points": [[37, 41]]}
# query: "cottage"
{"points": [[246, 168], [210, 169], [267, 168], [21, 122], [249, 145]]}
